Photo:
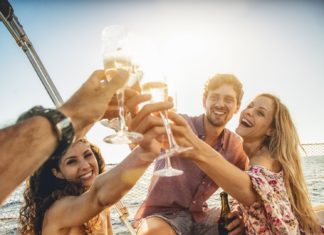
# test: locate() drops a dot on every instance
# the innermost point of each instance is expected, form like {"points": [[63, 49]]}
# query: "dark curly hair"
{"points": [[43, 189]]}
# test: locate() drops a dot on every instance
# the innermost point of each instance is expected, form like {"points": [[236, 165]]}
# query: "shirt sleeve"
{"points": [[276, 208], [261, 185], [241, 159]]}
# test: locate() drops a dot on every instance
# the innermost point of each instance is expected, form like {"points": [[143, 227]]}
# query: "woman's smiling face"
{"points": [[79, 164], [256, 119]]}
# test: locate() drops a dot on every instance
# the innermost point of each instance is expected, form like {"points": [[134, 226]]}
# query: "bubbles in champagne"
{"points": [[120, 62], [157, 90]]}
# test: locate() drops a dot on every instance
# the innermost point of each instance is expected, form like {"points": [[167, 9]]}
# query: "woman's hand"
{"points": [[131, 100], [148, 122], [187, 138]]}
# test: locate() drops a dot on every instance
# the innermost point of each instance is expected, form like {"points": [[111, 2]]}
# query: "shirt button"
{"points": [[203, 182], [194, 202]]}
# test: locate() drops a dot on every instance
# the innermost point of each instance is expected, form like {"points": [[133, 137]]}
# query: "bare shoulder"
{"points": [[54, 214], [61, 204]]}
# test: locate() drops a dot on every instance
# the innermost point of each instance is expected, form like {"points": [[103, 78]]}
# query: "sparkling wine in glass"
{"points": [[159, 93], [116, 55]]}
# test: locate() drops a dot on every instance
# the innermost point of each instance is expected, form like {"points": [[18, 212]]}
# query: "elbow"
{"points": [[248, 201], [242, 192], [247, 197]]}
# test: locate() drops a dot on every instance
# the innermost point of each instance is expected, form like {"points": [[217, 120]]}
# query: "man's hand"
{"points": [[148, 122], [90, 102]]}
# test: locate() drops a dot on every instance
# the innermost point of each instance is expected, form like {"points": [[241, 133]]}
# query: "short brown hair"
{"points": [[220, 79]]}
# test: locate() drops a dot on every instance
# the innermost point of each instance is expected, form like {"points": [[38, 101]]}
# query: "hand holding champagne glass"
{"points": [[158, 89], [116, 55]]}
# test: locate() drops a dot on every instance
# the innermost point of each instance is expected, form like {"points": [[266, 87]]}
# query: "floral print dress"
{"points": [[272, 213]]}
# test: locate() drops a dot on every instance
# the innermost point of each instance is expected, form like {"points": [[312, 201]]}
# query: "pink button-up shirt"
{"points": [[191, 190]]}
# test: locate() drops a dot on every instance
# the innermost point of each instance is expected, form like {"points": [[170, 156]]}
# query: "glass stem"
{"points": [[121, 110], [168, 163], [171, 140]]}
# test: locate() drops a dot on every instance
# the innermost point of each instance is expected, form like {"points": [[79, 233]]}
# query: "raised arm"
{"points": [[111, 186], [233, 180], [25, 146]]}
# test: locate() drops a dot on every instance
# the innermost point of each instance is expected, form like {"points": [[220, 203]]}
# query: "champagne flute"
{"points": [[114, 123], [116, 55], [158, 89]]}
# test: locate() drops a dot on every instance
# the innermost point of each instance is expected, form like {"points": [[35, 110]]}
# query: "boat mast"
{"points": [[16, 29]]}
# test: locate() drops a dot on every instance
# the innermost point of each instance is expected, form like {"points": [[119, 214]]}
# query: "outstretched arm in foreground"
{"points": [[25, 146]]}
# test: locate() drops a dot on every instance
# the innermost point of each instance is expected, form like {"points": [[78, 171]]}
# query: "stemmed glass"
{"points": [[158, 89], [116, 55], [111, 123]]}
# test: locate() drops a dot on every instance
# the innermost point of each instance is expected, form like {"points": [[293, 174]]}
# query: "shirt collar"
{"points": [[199, 125]]}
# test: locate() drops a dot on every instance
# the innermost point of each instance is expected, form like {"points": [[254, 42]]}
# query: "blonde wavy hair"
{"points": [[284, 147]]}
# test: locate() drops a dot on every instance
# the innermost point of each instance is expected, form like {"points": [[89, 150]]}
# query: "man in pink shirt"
{"points": [[177, 205]]}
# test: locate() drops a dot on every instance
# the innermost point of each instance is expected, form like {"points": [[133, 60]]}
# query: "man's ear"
{"points": [[57, 173], [204, 102]]}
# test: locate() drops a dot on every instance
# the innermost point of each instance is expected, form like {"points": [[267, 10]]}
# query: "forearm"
{"points": [[24, 147], [231, 179], [114, 184]]}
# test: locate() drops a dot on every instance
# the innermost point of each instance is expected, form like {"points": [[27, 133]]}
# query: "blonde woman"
{"points": [[272, 194]]}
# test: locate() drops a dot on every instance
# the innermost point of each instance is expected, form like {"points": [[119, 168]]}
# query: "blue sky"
{"points": [[271, 46]]}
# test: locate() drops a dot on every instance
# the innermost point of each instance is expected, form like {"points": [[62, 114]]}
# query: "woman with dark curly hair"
{"points": [[68, 195], [69, 175]]}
